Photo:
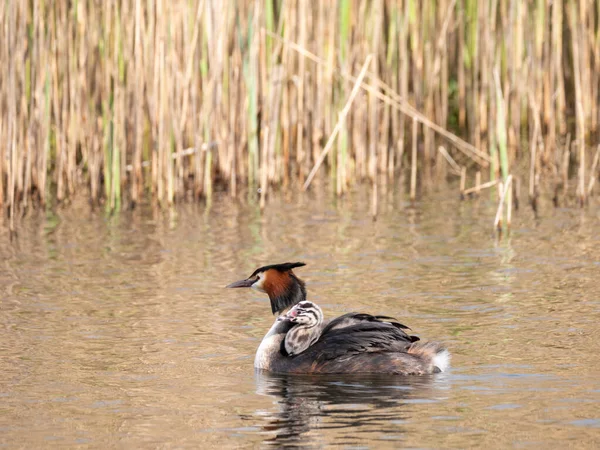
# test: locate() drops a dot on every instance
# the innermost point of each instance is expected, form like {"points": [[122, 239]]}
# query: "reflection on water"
{"points": [[351, 408], [118, 332]]}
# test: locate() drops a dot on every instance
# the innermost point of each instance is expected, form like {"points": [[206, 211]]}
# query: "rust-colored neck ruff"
{"points": [[284, 289]]}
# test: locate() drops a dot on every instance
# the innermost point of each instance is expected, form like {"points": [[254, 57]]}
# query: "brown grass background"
{"points": [[121, 101]]}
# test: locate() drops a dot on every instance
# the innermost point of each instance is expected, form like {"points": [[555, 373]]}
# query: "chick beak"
{"points": [[289, 315]]}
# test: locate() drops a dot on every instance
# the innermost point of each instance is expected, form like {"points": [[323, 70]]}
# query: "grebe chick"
{"points": [[307, 318], [351, 343]]}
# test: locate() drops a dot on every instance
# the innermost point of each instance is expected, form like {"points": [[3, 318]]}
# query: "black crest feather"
{"points": [[284, 267]]}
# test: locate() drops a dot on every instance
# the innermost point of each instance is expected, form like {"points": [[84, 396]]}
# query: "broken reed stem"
{"points": [[480, 187], [338, 125], [455, 167], [185, 152], [504, 189], [593, 173], [374, 198], [463, 179]]}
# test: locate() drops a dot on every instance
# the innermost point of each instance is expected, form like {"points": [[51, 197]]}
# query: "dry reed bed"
{"points": [[118, 99]]}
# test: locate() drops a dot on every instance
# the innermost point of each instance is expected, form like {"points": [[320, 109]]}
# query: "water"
{"points": [[119, 333]]}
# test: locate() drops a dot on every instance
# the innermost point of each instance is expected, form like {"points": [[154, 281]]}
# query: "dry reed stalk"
{"points": [[509, 202], [329, 105], [515, 71], [404, 57], [338, 126], [463, 179], [593, 173], [263, 168], [136, 179], [516, 191], [456, 169], [274, 107], [413, 161], [501, 135], [532, 163], [2, 159], [374, 200], [400, 104], [263, 84], [581, 175], [557, 65], [376, 15], [251, 73], [235, 128], [462, 113], [475, 25], [340, 163], [393, 65], [504, 190], [489, 60], [286, 128], [565, 166], [318, 95], [579, 98], [581, 34], [303, 36], [391, 118], [486, 185], [441, 51], [595, 71], [539, 25], [90, 88], [548, 100]]}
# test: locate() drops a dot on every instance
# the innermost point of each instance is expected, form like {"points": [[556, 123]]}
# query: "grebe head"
{"points": [[278, 282], [305, 319], [304, 313]]}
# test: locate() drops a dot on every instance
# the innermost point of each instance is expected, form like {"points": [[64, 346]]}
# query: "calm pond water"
{"points": [[118, 332]]}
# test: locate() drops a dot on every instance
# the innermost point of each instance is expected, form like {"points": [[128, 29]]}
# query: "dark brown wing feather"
{"points": [[361, 343], [356, 318], [364, 344], [352, 343], [366, 336]]}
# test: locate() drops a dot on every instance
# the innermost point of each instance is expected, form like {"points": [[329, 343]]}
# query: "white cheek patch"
{"points": [[259, 285]]}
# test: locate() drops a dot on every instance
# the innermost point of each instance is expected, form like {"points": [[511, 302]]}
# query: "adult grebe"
{"points": [[351, 343]]}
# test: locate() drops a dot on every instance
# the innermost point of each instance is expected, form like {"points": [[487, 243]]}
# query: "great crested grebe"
{"points": [[351, 343]]}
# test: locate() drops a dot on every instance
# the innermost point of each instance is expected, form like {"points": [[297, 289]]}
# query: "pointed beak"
{"points": [[242, 283], [289, 315]]}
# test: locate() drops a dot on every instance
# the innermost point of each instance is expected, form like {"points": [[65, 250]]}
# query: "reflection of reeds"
{"points": [[173, 98]]}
